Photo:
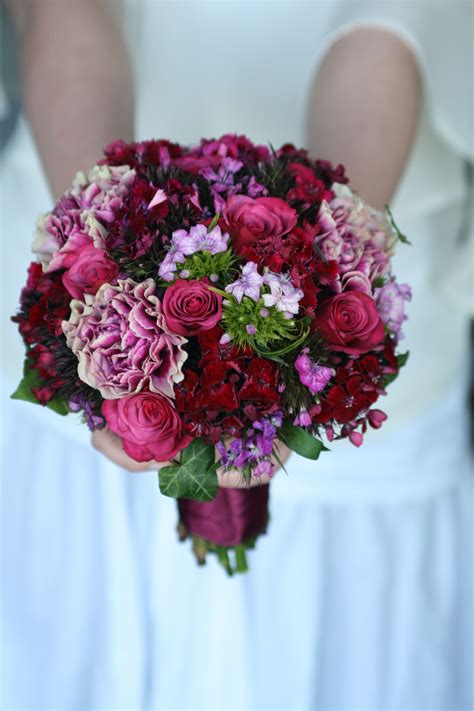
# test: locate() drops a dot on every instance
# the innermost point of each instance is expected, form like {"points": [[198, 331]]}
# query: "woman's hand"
{"points": [[109, 445]]}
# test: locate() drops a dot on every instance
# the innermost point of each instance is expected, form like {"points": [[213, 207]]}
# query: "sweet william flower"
{"points": [[314, 376], [248, 284], [198, 239], [283, 294]]}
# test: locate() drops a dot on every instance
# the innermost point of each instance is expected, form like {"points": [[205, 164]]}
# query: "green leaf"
{"points": [[30, 380], [195, 477], [300, 441], [401, 361], [378, 282], [214, 222], [403, 238]]}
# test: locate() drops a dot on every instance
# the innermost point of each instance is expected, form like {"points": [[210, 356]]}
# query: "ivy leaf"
{"points": [[30, 380], [195, 477], [300, 441], [403, 238], [401, 360]]}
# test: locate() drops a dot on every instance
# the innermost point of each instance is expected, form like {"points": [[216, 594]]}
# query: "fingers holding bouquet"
{"points": [[110, 445]]}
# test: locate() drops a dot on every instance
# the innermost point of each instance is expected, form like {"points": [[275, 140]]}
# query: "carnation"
{"points": [[355, 235], [122, 342]]}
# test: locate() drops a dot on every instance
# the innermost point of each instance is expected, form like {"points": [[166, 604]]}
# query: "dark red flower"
{"points": [[330, 174], [308, 188]]}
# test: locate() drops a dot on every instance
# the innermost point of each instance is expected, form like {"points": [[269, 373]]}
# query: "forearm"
{"points": [[77, 82], [364, 110]]}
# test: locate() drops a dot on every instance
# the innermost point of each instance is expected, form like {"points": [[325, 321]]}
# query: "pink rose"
{"points": [[189, 307], [350, 322], [250, 219], [91, 269], [148, 425]]}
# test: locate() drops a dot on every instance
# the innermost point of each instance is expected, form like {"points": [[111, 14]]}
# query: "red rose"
{"points": [[91, 269], [147, 424], [190, 306], [250, 219], [350, 322]]}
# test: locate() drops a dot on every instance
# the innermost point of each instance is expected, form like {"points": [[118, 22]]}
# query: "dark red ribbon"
{"points": [[234, 516]]}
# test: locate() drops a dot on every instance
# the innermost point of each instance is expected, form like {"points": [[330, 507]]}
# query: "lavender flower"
{"points": [[167, 268], [283, 294], [225, 339], [314, 376], [248, 284], [198, 239], [185, 243]]}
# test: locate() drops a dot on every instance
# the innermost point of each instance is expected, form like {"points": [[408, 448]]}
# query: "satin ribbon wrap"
{"points": [[233, 517]]}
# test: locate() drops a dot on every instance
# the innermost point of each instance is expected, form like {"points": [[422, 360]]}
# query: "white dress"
{"points": [[360, 597]]}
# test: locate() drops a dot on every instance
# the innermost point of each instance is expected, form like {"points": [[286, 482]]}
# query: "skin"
{"points": [[369, 70]]}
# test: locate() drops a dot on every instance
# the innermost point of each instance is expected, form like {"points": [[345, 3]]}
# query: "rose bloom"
{"points": [[189, 306], [249, 219], [91, 269], [148, 426], [350, 322], [122, 341]]}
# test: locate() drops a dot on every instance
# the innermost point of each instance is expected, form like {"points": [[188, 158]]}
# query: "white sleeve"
{"points": [[440, 35], [436, 179]]}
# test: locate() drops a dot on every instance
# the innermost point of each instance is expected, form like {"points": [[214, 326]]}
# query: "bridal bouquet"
{"points": [[206, 303]]}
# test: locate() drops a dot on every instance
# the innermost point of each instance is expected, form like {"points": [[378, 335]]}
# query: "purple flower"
{"points": [[314, 376], [167, 268], [198, 239], [283, 294], [225, 339], [263, 467], [248, 284], [255, 449], [251, 329], [255, 189], [122, 342], [185, 243], [390, 300]]}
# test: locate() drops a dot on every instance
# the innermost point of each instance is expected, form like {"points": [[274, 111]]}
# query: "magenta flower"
{"points": [[314, 376], [122, 342]]}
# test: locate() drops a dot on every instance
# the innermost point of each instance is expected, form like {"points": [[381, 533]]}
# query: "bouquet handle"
{"points": [[226, 526]]}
